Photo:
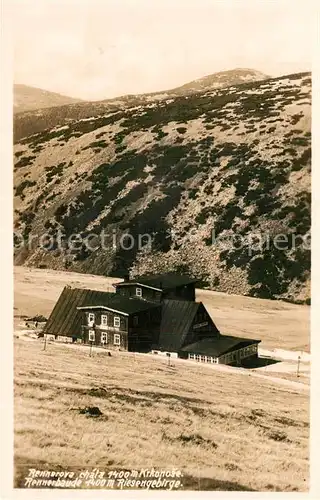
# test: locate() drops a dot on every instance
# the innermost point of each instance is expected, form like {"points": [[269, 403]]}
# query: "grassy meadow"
{"points": [[224, 431]]}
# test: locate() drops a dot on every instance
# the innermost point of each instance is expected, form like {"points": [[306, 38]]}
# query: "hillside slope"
{"points": [[30, 122], [26, 98], [234, 160]]}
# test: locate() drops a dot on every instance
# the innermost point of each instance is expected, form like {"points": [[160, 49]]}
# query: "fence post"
{"points": [[169, 355], [45, 342], [299, 357]]}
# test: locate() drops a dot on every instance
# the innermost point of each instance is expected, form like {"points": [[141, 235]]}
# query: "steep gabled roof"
{"points": [[159, 282], [177, 317], [65, 319], [121, 304], [216, 346]]}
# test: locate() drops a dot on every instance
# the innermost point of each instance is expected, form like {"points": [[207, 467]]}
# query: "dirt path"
{"points": [[26, 335], [251, 373]]}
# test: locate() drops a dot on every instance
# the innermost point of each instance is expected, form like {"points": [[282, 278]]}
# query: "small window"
{"points": [[91, 336], [139, 292], [116, 339], [116, 322], [104, 338], [135, 320], [104, 320], [90, 318]]}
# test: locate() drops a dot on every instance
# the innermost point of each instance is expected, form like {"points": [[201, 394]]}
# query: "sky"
{"points": [[92, 49]]}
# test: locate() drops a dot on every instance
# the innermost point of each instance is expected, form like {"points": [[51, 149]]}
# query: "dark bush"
{"points": [[61, 210], [96, 145], [19, 190], [24, 162], [181, 130]]}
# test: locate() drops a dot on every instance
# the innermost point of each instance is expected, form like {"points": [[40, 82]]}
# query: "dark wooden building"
{"points": [[65, 320], [156, 288], [155, 313], [184, 322], [123, 323], [222, 349]]}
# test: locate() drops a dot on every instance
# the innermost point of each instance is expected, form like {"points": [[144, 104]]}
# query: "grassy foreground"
{"points": [[224, 431]]}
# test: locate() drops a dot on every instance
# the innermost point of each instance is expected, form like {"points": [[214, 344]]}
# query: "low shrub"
{"points": [[19, 190], [181, 130]]}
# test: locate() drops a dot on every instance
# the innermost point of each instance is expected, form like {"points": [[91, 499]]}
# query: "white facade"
{"points": [[226, 359], [203, 359], [165, 353]]}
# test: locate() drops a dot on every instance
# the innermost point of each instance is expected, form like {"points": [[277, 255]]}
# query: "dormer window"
{"points": [[138, 292]]}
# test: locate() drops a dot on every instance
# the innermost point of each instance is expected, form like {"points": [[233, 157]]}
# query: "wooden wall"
{"points": [[185, 292], [138, 332], [202, 327], [109, 329], [144, 330], [147, 293]]}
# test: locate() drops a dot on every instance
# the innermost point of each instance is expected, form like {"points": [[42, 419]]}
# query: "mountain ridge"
{"points": [[36, 120], [236, 160], [28, 98]]}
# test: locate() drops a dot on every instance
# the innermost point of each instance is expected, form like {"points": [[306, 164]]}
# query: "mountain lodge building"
{"points": [[154, 313]]}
